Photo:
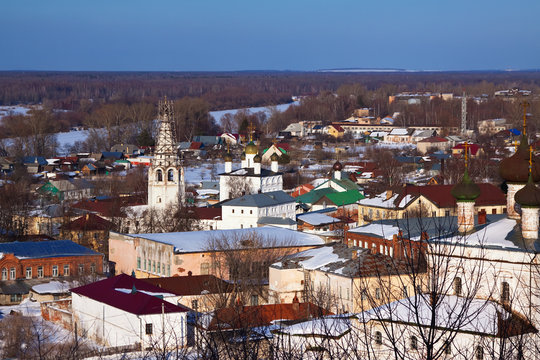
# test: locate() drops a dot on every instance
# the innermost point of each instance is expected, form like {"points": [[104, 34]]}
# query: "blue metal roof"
{"points": [[35, 160], [45, 249]]}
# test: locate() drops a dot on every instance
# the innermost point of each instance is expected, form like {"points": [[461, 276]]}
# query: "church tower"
{"points": [[166, 175]]}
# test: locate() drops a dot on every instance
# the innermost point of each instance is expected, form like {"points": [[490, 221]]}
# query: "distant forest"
{"points": [[227, 90]]}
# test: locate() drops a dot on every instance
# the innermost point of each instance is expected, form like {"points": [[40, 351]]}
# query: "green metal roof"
{"points": [[345, 197], [314, 195]]}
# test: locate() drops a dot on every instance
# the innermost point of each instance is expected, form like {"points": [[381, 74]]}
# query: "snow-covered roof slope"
{"points": [[197, 241], [327, 326], [451, 312], [317, 219]]}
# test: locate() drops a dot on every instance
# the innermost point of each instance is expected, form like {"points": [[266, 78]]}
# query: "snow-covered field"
{"points": [[194, 175], [13, 110], [218, 115]]}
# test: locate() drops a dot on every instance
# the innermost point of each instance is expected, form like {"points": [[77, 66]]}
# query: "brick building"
{"points": [[27, 263]]}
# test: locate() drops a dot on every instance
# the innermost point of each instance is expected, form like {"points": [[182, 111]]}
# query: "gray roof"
{"points": [[251, 172], [262, 200], [274, 220]]}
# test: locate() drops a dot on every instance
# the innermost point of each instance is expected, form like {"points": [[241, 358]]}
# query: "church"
{"points": [[166, 176], [251, 178]]}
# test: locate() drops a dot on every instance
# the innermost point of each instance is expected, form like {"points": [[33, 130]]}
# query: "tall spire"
{"points": [[166, 153]]}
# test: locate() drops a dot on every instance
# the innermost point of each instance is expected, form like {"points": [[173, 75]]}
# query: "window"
{"points": [[194, 304], [254, 300], [378, 293], [250, 212], [153, 266], [378, 337], [241, 211], [433, 214], [457, 286], [16, 298], [479, 353], [158, 267], [144, 264], [170, 175], [12, 273], [55, 270], [159, 176], [233, 211], [4, 274], [138, 262], [168, 270], [66, 270], [505, 292], [446, 213], [92, 268], [148, 329], [414, 343], [28, 272], [205, 268], [40, 271]]}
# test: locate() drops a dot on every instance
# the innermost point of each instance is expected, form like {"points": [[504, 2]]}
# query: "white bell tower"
{"points": [[166, 175]]}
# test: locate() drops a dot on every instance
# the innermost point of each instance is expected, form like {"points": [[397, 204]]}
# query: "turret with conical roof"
{"points": [[529, 200], [465, 193], [515, 170]]}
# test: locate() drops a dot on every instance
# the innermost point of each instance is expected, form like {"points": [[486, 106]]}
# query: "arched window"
{"points": [[479, 353], [159, 175], [414, 343], [505, 291], [378, 337], [170, 175], [457, 286], [4, 274]]}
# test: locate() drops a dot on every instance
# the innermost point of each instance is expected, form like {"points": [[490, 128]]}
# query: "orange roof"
{"points": [[302, 189], [241, 317]]}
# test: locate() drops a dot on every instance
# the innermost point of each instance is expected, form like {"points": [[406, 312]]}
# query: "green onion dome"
{"points": [[466, 190], [529, 195], [516, 168], [251, 148]]}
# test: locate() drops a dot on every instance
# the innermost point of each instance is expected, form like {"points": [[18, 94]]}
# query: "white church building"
{"points": [[166, 175], [251, 178]]}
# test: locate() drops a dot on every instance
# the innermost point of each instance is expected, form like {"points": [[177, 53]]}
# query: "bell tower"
{"points": [[166, 175]]}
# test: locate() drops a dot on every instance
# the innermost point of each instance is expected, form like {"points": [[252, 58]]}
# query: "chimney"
{"points": [[296, 303], [389, 194], [482, 217]]}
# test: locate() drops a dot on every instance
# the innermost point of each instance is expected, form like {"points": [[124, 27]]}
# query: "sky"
{"points": [[231, 35]]}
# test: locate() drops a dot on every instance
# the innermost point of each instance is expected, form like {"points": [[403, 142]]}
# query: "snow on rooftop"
{"points": [[328, 326], [160, 294], [452, 312], [197, 241], [53, 287], [317, 219], [380, 201]]}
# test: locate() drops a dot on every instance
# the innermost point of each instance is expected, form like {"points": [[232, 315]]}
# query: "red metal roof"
{"points": [[434, 139], [206, 213], [241, 317], [108, 207], [138, 302], [441, 196], [302, 189], [473, 148], [88, 222], [196, 145], [192, 285]]}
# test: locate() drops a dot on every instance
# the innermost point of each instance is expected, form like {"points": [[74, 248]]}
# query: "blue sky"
{"points": [[221, 35]]}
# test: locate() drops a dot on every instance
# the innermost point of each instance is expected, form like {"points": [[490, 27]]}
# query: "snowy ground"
{"points": [[195, 174], [266, 109], [13, 110]]}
